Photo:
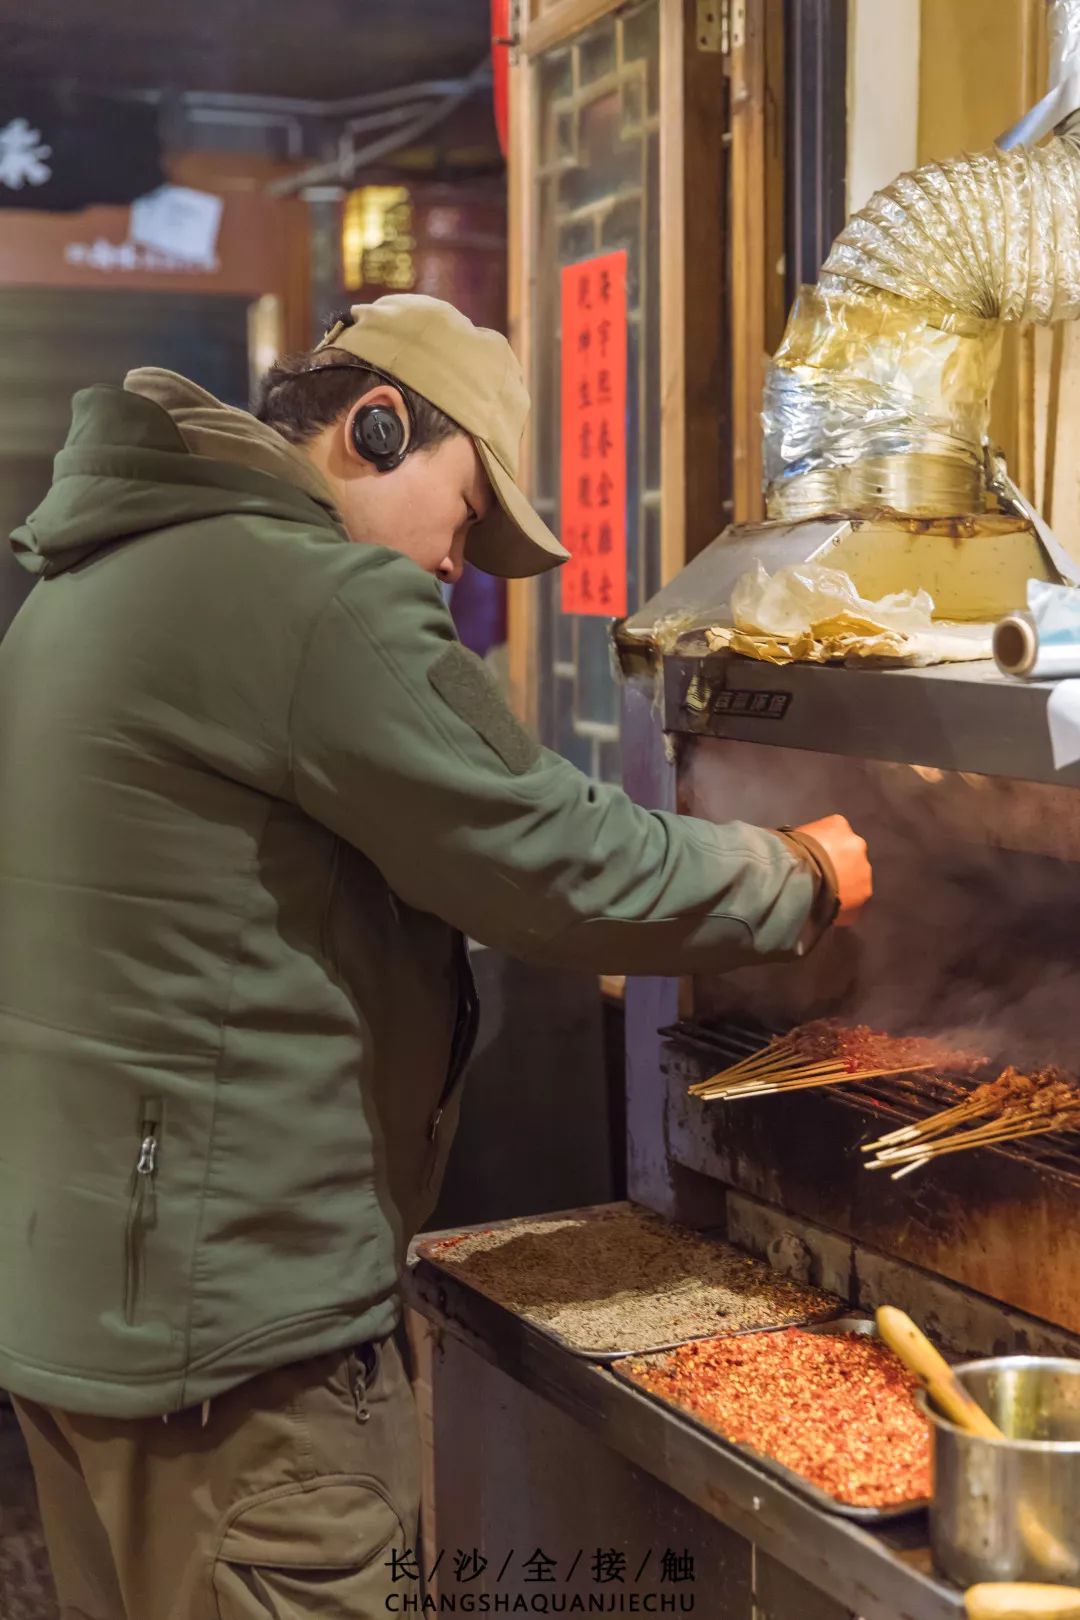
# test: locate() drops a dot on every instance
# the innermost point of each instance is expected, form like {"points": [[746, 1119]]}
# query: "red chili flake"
{"points": [[838, 1409], [444, 1245]]}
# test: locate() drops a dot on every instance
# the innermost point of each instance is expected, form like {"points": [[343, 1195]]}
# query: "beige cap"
{"points": [[472, 375]]}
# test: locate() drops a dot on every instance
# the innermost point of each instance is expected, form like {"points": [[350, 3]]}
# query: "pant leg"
{"points": [[79, 1552], [292, 1502]]}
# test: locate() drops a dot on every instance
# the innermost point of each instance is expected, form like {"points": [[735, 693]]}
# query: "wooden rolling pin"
{"points": [[1003, 1601], [938, 1379]]}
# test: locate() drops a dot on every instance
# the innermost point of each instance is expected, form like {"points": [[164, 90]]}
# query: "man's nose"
{"points": [[451, 570]]}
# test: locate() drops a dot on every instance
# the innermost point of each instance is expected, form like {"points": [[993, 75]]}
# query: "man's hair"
{"points": [[301, 395]]}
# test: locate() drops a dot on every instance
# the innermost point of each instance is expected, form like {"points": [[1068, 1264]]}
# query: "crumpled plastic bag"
{"points": [[809, 613]]}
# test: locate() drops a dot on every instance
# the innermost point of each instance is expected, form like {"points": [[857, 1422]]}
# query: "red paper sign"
{"points": [[594, 435], [500, 68]]}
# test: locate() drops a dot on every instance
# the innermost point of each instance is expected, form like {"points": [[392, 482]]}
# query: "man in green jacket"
{"points": [[253, 795]]}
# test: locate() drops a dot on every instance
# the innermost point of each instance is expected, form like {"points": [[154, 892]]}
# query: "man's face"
{"points": [[424, 508]]}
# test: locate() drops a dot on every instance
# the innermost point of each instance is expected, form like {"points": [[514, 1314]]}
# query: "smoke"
{"points": [[974, 930]]}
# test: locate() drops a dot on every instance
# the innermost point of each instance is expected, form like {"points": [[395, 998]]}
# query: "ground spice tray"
{"points": [[426, 1250], [861, 1515]]}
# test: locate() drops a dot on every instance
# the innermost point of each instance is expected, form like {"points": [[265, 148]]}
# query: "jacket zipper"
{"points": [[142, 1205], [462, 1041]]}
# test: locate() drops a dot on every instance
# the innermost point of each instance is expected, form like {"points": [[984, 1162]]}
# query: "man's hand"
{"points": [[847, 852]]}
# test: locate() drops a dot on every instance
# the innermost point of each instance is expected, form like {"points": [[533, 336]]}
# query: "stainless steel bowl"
{"points": [[1009, 1510]]}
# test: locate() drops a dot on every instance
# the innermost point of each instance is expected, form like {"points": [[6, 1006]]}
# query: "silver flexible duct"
{"points": [[879, 392]]}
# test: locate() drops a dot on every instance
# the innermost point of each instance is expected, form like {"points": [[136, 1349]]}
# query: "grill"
{"points": [[973, 937], [899, 1099]]}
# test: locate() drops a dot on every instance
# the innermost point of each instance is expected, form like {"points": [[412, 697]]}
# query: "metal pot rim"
{"points": [[998, 1363]]}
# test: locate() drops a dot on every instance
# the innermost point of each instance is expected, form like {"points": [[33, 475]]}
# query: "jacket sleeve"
{"points": [[403, 746]]}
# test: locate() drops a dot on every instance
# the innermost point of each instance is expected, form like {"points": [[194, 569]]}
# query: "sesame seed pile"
{"points": [[625, 1280]]}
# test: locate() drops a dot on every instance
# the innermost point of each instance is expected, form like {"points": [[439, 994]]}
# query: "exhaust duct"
{"points": [[878, 396]]}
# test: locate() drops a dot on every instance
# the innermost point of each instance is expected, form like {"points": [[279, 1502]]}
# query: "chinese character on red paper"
{"points": [[592, 443]]}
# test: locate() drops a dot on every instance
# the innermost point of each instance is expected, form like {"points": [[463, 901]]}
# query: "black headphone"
{"points": [[378, 434]]}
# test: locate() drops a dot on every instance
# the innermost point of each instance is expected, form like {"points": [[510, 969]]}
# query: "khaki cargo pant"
{"points": [[288, 1502]]}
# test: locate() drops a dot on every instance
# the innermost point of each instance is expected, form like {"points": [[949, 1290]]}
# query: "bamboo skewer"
{"points": [[934, 1126], [783, 1077], [994, 1134], [769, 1055], [804, 1082]]}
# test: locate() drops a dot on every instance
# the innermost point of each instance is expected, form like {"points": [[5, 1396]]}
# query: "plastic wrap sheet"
{"points": [[893, 354], [812, 614]]}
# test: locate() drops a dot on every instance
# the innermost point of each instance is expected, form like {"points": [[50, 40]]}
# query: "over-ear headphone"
{"points": [[378, 434]]}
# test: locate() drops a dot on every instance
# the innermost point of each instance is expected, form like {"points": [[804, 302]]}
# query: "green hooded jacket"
{"points": [[252, 794]]}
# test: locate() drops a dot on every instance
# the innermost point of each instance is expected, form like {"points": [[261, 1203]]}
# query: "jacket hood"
{"points": [[156, 453]]}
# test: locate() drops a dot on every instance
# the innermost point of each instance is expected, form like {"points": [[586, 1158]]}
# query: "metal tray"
{"points": [[813, 1493], [423, 1250]]}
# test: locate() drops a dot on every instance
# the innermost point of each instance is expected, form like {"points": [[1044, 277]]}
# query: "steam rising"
{"points": [[974, 931]]}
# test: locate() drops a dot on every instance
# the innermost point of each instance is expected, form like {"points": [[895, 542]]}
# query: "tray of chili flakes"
{"points": [[828, 1410], [615, 1280]]}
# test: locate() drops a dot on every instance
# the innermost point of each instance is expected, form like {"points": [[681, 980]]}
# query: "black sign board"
{"points": [[65, 152]]}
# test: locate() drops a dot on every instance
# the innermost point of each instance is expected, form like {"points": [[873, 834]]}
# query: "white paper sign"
{"points": [[1063, 715], [179, 221]]}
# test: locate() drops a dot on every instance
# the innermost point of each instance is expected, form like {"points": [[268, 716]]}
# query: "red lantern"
{"points": [[500, 64]]}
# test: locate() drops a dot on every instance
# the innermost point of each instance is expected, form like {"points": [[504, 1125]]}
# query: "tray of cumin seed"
{"points": [[616, 1280]]}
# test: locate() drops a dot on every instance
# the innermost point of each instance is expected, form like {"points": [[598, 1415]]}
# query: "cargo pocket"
{"points": [[331, 1550]]}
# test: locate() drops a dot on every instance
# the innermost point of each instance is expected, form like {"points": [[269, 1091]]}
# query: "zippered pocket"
{"points": [[142, 1204]]}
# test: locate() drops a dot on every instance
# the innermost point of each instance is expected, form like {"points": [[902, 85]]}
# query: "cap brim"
{"points": [[513, 541]]}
